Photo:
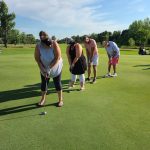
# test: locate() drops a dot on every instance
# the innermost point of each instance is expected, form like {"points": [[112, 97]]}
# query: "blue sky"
{"points": [[64, 18]]}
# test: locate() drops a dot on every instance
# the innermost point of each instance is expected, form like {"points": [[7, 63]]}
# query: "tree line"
{"points": [[138, 32], [9, 35]]}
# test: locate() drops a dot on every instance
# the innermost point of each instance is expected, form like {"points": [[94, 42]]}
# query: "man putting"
{"points": [[92, 56], [113, 53]]}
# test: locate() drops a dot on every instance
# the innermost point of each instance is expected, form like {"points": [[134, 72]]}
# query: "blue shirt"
{"points": [[111, 48]]}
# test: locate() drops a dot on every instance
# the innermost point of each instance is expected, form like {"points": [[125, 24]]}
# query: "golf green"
{"points": [[113, 114]]}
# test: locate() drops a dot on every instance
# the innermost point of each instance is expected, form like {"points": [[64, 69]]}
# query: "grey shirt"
{"points": [[112, 47]]}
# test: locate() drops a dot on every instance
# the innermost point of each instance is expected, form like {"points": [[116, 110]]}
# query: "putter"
{"points": [[46, 79]]}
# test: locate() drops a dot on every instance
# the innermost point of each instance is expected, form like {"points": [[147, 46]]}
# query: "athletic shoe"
{"points": [[94, 80], [70, 86], [82, 88], [88, 79], [114, 75], [108, 75]]}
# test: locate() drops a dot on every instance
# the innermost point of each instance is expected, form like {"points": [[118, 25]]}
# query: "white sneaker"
{"points": [[108, 75], [71, 86], [114, 75], [82, 88]]}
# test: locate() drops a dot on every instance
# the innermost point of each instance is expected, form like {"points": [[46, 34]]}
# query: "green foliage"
{"points": [[8, 34], [13, 36], [53, 37], [23, 38], [6, 21], [131, 42], [140, 31], [30, 39]]}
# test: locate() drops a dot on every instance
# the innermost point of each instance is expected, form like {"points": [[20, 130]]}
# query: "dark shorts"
{"points": [[56, 80]]}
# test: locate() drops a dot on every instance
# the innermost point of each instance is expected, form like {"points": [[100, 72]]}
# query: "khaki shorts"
{"points": [[95, 60]]}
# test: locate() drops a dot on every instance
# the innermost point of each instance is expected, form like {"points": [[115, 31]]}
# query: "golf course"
{"points": [[112, 114]]}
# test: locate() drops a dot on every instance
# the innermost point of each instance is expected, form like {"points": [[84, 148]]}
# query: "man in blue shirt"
{"points": [[113, 53]]}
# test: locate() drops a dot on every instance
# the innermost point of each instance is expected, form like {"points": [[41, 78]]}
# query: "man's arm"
{"points": [[92, 52], [87, 52], [108, 55], [93, 49], [115, 50]]}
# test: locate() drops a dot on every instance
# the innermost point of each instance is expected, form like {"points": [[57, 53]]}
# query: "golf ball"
{"points": [[43, 113]]}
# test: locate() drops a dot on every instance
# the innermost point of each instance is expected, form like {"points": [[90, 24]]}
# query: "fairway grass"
{"points": [[113, 114]]}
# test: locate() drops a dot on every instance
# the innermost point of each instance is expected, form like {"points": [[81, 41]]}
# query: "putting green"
{"points": [[112, 114]]}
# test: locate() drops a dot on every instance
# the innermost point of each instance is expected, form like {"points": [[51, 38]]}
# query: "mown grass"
{"points": [[112, 114]]}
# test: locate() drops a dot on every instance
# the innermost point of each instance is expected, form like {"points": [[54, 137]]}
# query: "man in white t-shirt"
{"points": [[92, 56], [113, 53]]}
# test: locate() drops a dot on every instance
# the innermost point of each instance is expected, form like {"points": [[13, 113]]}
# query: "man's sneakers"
{"points": [[110, 75], [71, 86], [114, 75], [88, 79], [82, 88], [94, 80]]}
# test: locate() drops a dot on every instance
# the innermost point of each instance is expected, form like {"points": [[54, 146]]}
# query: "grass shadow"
{"points": [[22, 108], [28, 91], [148, 65]]}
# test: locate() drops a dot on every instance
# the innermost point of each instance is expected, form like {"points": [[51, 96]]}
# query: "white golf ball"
{"points": [[45, 113]]}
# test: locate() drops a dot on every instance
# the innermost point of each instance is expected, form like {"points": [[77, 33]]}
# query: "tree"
{"points": [[6, 21], [77, 38], [104, 36], [23, 38], [131, 42], [14, 36], [140, 31], [30, 39], [1, 41], [54, 38], [94, 36], [116, 36], [125, 35]]}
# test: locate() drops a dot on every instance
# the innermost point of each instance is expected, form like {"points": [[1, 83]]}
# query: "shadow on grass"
{"points": [[20, 117], [147, 66], [22, 108], [29, 91]]}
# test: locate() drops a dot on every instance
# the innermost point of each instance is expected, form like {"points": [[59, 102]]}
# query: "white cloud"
{"points": [[82, 16]]}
